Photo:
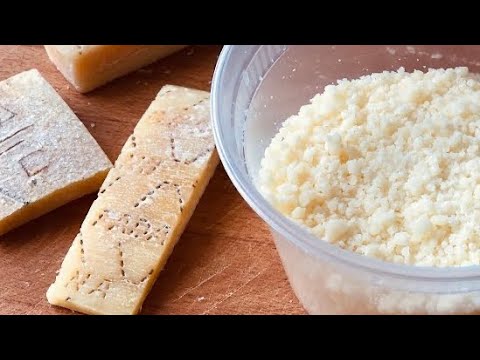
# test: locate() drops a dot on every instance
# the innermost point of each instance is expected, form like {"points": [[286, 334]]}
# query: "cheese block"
{"points": [[142, 208], [47, 156], [87, 67]]}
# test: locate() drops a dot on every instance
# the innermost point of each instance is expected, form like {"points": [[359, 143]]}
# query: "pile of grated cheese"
{"points": [[386, 165]]}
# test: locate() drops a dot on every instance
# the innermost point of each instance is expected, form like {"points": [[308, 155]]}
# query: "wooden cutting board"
{"points": [[225, 262]]}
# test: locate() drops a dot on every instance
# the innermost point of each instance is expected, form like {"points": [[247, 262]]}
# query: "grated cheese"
{"points": [[386, 165]]}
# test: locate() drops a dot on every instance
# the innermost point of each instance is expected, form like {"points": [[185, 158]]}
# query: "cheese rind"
{"points": [[47, 156], [87, 67], [142, 208]]}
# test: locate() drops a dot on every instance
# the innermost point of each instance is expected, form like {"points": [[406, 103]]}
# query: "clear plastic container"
{"points": [[255, 88]]}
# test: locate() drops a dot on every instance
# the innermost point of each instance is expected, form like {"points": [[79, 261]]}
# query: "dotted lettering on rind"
{"points": [[125, 228], [151, 193], [196, 104], [82, 250], [141, 164], [102, 191], [136, 228], [187, 161], [102, 288], [147, 165], [133, 227], [78, 280], [173, 154], [122, 261]]}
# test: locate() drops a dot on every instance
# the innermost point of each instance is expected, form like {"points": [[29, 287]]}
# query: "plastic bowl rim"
{"points": [[300, 237]]}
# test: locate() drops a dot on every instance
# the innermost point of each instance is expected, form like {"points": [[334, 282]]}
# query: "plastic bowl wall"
{"points": [[255, 88]]}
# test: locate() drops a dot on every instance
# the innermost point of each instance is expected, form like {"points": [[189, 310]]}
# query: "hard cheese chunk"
{"points": [[90, 66], [142, 208], [47, 156]]}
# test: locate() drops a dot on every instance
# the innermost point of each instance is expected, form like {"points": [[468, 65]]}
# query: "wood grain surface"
{"points": [[225, 262]]}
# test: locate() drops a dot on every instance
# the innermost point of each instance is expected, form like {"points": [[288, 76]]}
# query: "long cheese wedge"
{"points": [[47, 156], [142, 208], [87, 67]]}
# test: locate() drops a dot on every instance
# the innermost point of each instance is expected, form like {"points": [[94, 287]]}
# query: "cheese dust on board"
{"points": [[142, 208], [47, 156]]}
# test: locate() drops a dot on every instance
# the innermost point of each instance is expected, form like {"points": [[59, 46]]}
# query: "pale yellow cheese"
{"points": [[47, 156], [386, 165], [142, 208], [87, 67]]}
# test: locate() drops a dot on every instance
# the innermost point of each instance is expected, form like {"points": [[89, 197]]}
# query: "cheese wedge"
{"points": [[142, 208], [87, 67], [47, 156]]}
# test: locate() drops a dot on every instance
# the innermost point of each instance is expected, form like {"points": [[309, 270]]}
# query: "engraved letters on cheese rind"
{"points": [[5, 115], [142, 208], [41, 168]]}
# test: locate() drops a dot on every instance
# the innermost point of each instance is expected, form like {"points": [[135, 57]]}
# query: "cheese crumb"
{"points": [[335, 230], [387, 165]]}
